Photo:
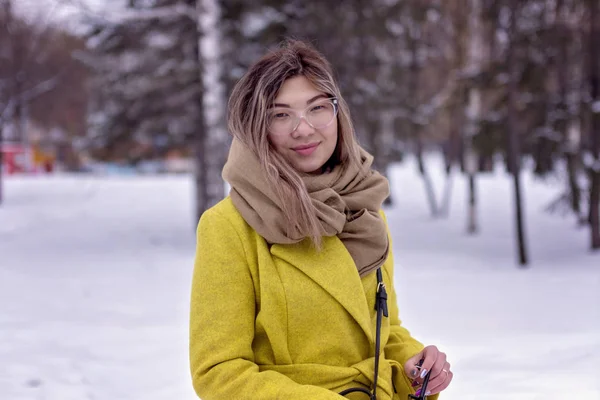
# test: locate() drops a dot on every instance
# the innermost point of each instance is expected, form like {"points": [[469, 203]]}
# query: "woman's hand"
{"points": [[434, 361]]}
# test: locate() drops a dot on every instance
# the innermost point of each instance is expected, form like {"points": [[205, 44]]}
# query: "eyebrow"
{"points": [[319, 96]]}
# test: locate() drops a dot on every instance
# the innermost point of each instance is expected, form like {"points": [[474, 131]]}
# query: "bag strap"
{"points": [[382, 310]]}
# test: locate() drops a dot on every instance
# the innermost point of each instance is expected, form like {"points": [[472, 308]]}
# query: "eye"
{"points": [[279, 115], [318, 107]]}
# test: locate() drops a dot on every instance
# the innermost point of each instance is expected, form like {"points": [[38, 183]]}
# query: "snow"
{"points": [[591, 162], [160, 41], [165, 12], [254, 22], [68, 14], [95, 275]]}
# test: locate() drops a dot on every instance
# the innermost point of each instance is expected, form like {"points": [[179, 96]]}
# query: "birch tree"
{"points": [[473, 110], [211, 146], [514, 150], [157, 87]]}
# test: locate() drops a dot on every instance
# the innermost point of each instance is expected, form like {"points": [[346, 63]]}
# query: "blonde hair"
{"points": [[249, 102]]}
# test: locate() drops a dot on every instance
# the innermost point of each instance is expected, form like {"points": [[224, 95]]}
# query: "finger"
{"points": [[410, 368], [430, 354], [434, 387], [438, 366], [437, 379]]}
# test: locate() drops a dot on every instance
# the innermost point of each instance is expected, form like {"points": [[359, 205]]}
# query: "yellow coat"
{"points": [[285, 321]]}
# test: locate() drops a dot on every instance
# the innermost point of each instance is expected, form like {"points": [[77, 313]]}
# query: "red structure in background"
{"points": [[16, 158], [19, 158], [13, 158]]}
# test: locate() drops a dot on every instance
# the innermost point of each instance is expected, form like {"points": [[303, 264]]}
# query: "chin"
{"points": [[308, 168]]}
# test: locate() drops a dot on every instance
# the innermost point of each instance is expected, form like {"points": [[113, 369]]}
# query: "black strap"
{"points": [[423, 386], [382, 310], [381, 307]]}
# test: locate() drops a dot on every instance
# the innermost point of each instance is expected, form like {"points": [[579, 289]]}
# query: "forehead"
{"points": [[297, 92]]}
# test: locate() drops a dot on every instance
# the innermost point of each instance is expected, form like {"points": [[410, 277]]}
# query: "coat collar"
{"points": [[333, 269]]}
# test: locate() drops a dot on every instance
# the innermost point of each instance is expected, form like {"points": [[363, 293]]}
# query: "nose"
{"points": [[303, 129]]}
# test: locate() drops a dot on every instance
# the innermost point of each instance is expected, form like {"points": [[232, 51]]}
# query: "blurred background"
{"points": [[484, 115]]}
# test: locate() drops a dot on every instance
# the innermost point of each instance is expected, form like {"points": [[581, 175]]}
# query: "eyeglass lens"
{"points": [[319, 115]]}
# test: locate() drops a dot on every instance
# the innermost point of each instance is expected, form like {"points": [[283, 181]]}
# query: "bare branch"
{"points": [[176, 10], [28, 95], [128, 15], [41, 33]]}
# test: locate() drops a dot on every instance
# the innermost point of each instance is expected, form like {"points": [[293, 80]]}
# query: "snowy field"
{"points": [[95, 275]]}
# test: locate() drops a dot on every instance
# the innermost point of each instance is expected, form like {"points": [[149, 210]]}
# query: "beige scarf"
{"points": [[347, 203]]}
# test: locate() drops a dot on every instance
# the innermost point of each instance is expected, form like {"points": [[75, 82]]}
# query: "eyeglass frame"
{"points": [[302, 116]]}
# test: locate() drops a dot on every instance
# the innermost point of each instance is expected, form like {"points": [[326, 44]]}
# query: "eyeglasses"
{"points": [[319, 115]]}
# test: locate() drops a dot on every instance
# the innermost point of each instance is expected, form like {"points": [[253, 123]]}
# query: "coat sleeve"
{"points": [[222, 323]]}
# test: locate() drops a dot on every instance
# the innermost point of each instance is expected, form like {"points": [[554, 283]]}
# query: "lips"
{"points": [[306, 149]]}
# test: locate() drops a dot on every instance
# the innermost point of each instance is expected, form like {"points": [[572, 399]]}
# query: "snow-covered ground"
{"points": [[95, 275]]}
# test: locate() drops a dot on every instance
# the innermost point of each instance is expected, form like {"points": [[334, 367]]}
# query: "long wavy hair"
{"points": [[248, 106]]}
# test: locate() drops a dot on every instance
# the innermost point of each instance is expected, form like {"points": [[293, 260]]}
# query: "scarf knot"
{"points": [[346, 202]]}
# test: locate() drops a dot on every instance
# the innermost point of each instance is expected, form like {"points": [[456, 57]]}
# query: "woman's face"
{"points": [[302, 125]]}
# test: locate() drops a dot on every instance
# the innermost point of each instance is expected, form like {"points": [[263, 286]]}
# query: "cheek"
{"points": [[276, 141], [332, 135]]}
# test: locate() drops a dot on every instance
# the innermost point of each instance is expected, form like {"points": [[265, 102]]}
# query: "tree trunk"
{"points": [[513, 136], [594, 170], [471, 167], [563, 124], [571, 159], [376, 141], [451, 154], [543, 155], [473, 112], [427, 182], [454, 149], [415, 129], [209, 143], [201, 169]]}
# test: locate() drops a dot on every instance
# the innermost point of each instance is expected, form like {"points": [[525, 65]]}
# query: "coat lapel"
{"points": [[334, 270]]}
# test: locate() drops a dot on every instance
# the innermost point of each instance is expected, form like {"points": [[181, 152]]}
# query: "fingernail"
{"points": [[413, 373], [423, 373], [428, 393], [418, 393]]}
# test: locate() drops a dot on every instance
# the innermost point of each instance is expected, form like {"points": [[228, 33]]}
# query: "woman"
{"points": [[287, 266]]}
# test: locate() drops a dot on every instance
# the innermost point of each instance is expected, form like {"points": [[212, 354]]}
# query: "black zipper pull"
{"points": [[382, 298], [381, 295]]}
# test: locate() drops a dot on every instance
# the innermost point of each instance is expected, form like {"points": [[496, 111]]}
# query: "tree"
{"points": [[593, 156], [210, 150], [150, 96], [473, 110], [370, 48], [514, 151], [39, 79], [565, 122]]}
